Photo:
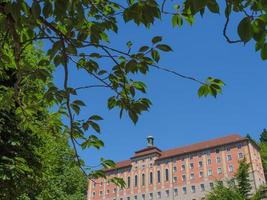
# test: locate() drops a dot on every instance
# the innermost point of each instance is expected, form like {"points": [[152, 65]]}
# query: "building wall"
{"points": [[219, 163]]}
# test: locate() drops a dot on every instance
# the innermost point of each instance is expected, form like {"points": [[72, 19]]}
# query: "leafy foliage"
{"points": [[242, 178]]}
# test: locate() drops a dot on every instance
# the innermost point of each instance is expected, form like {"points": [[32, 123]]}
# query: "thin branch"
{"points": [[225, 27], [90, 86]]}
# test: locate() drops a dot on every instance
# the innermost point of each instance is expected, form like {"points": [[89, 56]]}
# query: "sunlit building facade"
{"points": [[184, 173]]}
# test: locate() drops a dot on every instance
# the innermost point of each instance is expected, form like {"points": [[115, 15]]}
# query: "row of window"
{"points": [[184, 191]]}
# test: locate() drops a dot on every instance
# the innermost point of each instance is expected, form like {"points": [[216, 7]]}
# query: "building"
{"points": [[184, 173]]}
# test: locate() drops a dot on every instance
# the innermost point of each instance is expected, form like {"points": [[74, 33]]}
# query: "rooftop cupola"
{"points": [[150, 141]]}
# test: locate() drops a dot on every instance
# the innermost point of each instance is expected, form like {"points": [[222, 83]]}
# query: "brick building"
{"points": [[184, 173]]}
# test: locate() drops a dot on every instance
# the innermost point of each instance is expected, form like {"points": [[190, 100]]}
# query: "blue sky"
{"points": [[178, 116]]}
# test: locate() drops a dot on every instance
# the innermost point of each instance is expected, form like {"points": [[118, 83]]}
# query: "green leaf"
{"points": [[213, 6], [36, 9], [164, 47], [156, 39], [155, 55], [47, 10], [111, 102], [129, 44], [177, 20], [245, 30], [264, 52], [95, 117], [143, 48], [133, 116], [79, 103]]}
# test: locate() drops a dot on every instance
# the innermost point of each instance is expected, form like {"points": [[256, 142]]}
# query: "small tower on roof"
{"points": [[150, 141]]}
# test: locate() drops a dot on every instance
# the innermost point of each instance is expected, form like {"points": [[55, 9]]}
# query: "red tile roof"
{"points": [[202, 145], [183, 150]]}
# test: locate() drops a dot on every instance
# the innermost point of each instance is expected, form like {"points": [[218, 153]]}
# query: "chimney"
{"points": [[150, 141]]}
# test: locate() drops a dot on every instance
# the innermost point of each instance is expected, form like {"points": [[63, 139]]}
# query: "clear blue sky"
{"points": [[178, 116]]}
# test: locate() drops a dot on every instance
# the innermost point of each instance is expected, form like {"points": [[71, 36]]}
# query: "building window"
{"points": [[175, 179], [151, 178], [228, 149], [218, 160], [239, 146], [193, 189], [217, 150], [191, 165], [158, 176], [184, 190], [166, 175], [128, 198], [191, 157], [183, 177], [93, 194], [175, 192], [129, 181], [201, 174], [107, 191], [167, 193], [150, 196], [192, 176], [94, 185], [143, 179], [174, 169], [100, 193], [211, 185], [143, 196], [230, 168], [121, 198], [202, 187], [209, 172], [200, 164], [159, 195], [135, 197], [183, 168], [209, 161], [240, 155], [219, 170], [135, 181], [229, 157], [114, 190]]}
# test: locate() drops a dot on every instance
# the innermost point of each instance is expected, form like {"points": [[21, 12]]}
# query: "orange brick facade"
{"points": [[185, 173]]}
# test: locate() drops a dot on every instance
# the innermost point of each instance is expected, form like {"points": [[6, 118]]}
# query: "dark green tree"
{"points": [[242, 178], [263, 136]]}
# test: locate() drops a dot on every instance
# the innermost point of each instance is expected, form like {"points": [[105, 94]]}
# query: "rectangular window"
{"points": [[143, 196], [209, 161], [230, 168], [218, 160], [151, 178], [135, 197], [167, 193], [193, 189], [200, 164], [159, 195], [135, 181], [228, 149], [209, 172], [191, 165], [150, 196], [202, 187], [175, 179], [183, 177], [129, 182], [240, 155], [184, 190], [100, 193], [239, 146], [176, 192], [128, 198], [183, 168], [217, 150], [229, 157], [201, 174], [174, 169], [219, 170], [107, 191], [143, 179], [166, 175], [158, 176], [192, 176], [211, 185]]}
